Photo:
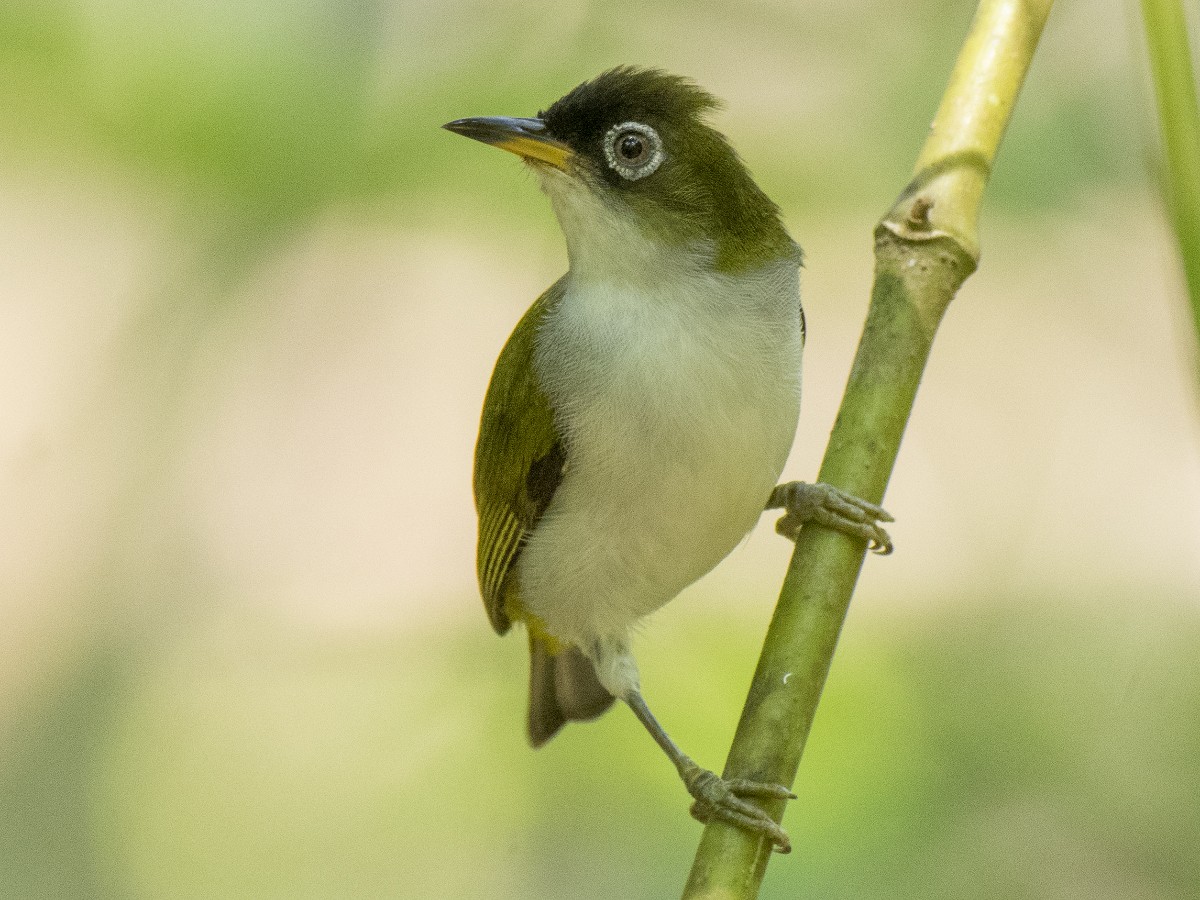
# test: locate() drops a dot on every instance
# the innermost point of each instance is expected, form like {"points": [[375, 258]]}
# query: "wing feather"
{"points": [[519, 462]]}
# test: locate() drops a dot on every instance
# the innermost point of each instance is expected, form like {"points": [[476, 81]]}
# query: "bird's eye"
{"points": [[633, 150]]}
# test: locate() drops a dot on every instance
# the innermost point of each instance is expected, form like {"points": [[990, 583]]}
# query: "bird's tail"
{"points": [[562, 688]]}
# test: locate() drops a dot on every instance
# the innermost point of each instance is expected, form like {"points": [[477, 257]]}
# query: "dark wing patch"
{"points": [[544, 477]]}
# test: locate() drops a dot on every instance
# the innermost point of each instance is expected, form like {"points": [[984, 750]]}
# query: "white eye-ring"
{"points": [[633, 150]]}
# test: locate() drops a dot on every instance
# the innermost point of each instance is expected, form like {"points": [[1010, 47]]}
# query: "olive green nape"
{"points": [[702, 192], [519, 461]]}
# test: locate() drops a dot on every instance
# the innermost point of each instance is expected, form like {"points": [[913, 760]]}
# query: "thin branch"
{"points": [[925, 248]]}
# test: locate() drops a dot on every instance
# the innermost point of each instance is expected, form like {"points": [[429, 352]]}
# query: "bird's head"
{"points": [[629, 159]]}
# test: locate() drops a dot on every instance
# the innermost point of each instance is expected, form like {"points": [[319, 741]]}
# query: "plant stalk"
{"points": [[1179, 118], [925, 247]]}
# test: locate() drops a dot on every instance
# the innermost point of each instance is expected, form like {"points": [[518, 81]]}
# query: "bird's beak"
{"points": [[525, 137]]}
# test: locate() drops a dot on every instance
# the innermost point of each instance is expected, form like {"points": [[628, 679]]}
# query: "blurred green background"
{"points": [[250, 296]]}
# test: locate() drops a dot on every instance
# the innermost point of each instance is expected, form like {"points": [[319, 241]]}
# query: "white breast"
{"points": [[677, 398]]}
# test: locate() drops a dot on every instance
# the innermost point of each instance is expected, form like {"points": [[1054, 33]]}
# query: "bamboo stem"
{"points": [[1179, 117], [925, 247]]}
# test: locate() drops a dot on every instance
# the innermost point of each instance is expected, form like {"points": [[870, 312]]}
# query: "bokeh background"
{"points": [[250, 296]]}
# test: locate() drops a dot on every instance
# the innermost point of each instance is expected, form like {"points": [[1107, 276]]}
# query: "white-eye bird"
{"points": [[640, 414]]}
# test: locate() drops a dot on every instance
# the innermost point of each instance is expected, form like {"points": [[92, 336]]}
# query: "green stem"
{"points": [[1175, 86], [925, 248]]}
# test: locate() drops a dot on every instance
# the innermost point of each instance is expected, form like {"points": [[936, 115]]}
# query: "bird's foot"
{"points": [[724, 800], [823, 504]]}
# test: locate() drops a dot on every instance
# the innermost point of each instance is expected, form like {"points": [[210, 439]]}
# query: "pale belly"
{"points": [[623, 537], [673, 450]]}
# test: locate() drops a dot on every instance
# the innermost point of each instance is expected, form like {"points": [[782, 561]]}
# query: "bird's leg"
{"points": [[823, 504], [716, 797]]}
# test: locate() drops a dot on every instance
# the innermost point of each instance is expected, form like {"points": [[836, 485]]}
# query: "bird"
{"points": [[640, 414]]}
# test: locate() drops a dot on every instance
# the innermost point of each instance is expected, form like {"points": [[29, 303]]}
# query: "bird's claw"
{"points": [[717, 798], [824, 504]]}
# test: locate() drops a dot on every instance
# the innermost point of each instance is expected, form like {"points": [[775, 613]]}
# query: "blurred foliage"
{"points": [[277, 107], [1012, 749], [1025, 752]]}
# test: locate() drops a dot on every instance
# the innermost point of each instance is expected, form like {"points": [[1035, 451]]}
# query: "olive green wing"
{"points": [[519, 461]]}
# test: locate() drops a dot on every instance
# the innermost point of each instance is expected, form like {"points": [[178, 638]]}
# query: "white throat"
{"points": [[603, 241]]}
